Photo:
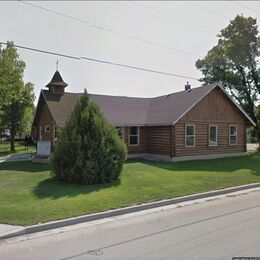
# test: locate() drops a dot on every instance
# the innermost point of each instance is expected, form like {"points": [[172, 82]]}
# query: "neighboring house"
{"points": [[195, 123]]}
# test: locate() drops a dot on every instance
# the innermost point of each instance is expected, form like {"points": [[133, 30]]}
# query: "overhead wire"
{"points": [[102, 61], [93, 25], [244, 6], [114, 64], [181, 20], [207, 10]]}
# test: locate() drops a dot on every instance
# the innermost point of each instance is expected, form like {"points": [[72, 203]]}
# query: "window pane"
{"points": [[233, 130], [233, 139], [133, 140], [133, 130], [190, 140], [213, 135], [189, 130]]}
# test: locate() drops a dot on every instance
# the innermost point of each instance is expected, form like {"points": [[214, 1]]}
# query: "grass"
{"points": [[19, 148], [28, 195]]}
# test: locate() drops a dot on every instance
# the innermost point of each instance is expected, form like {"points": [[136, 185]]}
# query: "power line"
{"points": [[110, 30], [207, 10], [187, 22], [43, 51], [114, 64], [102, 61], [139, 68], [244, 6]]}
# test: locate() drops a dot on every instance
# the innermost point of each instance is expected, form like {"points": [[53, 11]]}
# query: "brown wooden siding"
{"points": [[44, 118], [158, 140], [217, 110], [215, 107], [202, 137], [141, 147], [152, 139], [173, 144]]}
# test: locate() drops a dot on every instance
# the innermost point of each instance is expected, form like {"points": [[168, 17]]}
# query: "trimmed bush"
{"points": [[89, 150]]}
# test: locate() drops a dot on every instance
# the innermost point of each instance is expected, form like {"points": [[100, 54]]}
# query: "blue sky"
{"points": [[186, 26]]}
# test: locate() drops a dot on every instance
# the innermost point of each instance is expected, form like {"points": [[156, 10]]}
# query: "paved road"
{"points": [[216, 229]]}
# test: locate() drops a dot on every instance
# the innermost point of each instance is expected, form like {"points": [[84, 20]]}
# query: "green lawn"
{"points": [[19, 148], [28, 195]]}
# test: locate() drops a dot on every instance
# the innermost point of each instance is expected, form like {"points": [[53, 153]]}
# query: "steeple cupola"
{"points": [[57, 85]]}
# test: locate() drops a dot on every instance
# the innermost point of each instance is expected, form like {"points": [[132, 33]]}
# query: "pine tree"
{"points": [[89, 150]]}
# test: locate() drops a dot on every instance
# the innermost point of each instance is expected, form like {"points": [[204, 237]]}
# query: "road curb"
{"points": [[122, 211]]}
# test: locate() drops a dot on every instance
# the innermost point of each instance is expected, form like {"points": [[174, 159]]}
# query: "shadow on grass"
{"points": [[26, 166], [230, 164], [50, 188], [20, 147], [53, 189]]}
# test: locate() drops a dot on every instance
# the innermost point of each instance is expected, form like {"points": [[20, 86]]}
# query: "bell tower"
{"points": [[57, 85]]}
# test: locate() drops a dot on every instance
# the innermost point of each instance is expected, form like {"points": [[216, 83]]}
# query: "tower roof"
{"points": [[57, 80]]}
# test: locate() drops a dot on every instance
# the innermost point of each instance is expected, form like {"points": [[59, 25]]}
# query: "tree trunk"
{"points": [[12, 139]]}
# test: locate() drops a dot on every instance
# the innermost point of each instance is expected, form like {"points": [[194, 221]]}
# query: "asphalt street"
{"points": [[218, 229]]}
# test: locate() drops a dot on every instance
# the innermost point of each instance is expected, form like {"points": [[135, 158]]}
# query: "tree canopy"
{"points": [[89, 150], [234, 61], [16, 97]]}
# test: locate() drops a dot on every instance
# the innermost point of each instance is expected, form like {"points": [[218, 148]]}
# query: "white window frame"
{"points": [[194, 135], [215, 144], [47, 131], [138, 136], [232, 135]]}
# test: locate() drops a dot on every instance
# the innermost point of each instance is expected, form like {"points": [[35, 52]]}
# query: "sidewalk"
{"points": [[16, 157], [8, 231]]}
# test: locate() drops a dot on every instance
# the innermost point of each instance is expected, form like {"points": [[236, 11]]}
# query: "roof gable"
{"points": [[41, 106]]}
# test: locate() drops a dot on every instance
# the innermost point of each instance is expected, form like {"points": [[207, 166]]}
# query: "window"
{"points": [[120, 131], [47, 129], [190, 135], [232, 134], [213, 132], [134, 135]]}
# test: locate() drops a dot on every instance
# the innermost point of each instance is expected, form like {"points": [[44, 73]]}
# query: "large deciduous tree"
{"points": [[89, 150], [235, 62], [15, 96]]}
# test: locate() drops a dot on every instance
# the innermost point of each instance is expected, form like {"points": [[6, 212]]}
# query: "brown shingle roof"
{"points": [[127, 111]]}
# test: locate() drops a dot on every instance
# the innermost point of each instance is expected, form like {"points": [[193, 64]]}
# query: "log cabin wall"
{"points": [[139, 148], [43, 121], [153, 140], [158, 140], [217, 110]]}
